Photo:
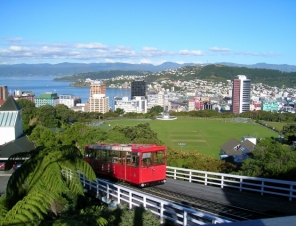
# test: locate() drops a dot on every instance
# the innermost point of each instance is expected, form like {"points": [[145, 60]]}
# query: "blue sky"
{"points": [[191, 31]]}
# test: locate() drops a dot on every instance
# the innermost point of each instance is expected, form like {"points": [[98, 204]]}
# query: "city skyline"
{"points": [[148, 32]]}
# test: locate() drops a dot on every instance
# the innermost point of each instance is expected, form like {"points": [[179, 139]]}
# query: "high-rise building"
{"points": [[98, 103], [241, 94], [3, 92], [97, 87], [138, 88]]}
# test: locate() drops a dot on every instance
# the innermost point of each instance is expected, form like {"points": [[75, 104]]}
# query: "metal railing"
{"points": [[114, 194], [241, 183]]}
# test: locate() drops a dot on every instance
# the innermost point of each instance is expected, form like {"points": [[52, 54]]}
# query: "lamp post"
{"points": [[181, 145]]}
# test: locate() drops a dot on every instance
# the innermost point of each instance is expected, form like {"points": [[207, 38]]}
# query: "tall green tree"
{"points": [[119, 111], [289, 132], [46, 116], [271, 159], [140, 133], [63, 113], [28, 113], [44, 137]]}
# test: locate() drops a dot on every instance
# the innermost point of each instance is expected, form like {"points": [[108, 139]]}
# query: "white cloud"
{"points": [[216, 49], [149, 49], [98, 52], [15, 39], [145, 61], [109, 60], [93, 45], [268, 54], [15, 48], [192, 52]]}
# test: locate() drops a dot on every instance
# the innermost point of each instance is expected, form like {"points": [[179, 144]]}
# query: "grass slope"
{"points": [[203, 135]]}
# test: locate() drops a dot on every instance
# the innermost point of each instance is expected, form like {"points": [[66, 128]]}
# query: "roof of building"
{"points": [[10, 105], [247, 146], [21, 144], [231, 147], [8, 118], [238, 150]]}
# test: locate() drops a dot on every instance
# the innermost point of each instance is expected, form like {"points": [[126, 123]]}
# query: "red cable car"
{"points": [[138, 164]]}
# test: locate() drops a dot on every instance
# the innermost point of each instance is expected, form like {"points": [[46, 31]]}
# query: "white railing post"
{"points": [[107, 194], [291, 192], [161, 213], [240, 184], [118, 195], [206, 178], [175, 174], [262, 188], [190, 176], [144, 201], [130, 200], [97, 187], [222, 181], [185, 218]]}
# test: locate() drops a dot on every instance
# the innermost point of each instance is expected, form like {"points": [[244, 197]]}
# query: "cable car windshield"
{"points": [[153, 158]]}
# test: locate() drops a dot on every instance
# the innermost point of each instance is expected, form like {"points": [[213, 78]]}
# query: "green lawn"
{"points": [[204, 135], [278, 125]]}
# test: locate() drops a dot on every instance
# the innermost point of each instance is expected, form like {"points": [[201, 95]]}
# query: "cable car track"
{"points": [[232, 213]]}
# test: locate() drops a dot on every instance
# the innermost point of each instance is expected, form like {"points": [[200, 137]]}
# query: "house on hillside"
{"points": [[236, 151], [12, 139]]}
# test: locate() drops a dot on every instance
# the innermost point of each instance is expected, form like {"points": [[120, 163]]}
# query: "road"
{"points": [[4, 177]]}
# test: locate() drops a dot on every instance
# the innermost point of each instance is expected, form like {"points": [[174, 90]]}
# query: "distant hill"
{"points": [[66, 69], [212, 72], [280, 67]]}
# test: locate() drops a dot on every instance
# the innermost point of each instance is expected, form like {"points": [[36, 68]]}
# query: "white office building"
{"points": [[136, 105], [69, 100]]}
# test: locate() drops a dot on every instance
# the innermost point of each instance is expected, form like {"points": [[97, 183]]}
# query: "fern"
{"points": [[3, 208], [39, 186], [29, 209]]}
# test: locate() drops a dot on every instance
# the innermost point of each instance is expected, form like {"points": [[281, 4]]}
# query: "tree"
{"points": [[289, 132], [46, 116], [271, 159], [140, 133], [63, 113], [44, 137], [28, 113], [119, 111], [40, 190], [156, 109]]}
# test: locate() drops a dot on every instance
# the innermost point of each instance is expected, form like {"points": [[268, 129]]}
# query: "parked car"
{"points": [[2, 166], [17, 165]]}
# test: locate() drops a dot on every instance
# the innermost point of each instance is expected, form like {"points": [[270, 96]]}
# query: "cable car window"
{"points": [[96, 154], [146, 159], [135, 160], [159, 158], [108, 156], [115, 157], [88, 153], [103, 155]]}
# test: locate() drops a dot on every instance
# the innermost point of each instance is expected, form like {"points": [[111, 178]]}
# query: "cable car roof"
{"points": [[127, 147]]}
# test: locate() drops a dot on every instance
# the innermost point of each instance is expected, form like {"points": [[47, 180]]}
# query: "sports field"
{"points": [[203, 135]]}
